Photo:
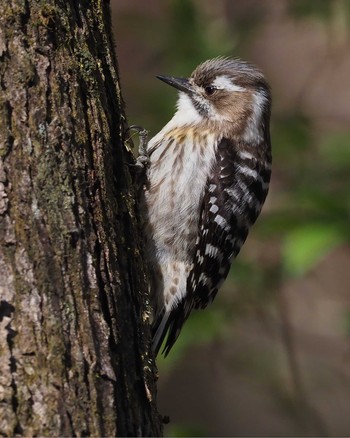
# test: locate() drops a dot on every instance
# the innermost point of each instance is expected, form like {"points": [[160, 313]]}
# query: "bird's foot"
{"points": [[142, 161]]}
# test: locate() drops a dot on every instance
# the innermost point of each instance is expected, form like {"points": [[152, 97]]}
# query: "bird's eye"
{"points": [[209, 90]]}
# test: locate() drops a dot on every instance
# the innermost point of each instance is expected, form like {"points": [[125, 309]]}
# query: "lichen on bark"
{"points": [[74, 329]]}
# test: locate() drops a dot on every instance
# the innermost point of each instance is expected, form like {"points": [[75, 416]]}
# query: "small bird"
{"points": [[207, 179]]}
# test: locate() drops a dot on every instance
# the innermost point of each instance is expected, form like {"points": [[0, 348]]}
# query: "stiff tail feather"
{"points": [[170, 322], [160, 330]]}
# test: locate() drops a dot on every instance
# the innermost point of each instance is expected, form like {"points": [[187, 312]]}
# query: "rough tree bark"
{"points": [[74, 312]]}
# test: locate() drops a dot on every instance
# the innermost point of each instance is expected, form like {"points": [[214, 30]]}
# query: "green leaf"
{"points": [[292, 132], [335, 149], [306, 246]]}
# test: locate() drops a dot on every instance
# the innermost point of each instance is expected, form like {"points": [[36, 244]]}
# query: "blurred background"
{"points": [[271, 356]]}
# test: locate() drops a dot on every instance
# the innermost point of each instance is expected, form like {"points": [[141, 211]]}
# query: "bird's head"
{"points": [[226, 92]]}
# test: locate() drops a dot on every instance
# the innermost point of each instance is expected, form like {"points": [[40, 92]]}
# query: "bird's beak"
{"points": [[181, 84]]}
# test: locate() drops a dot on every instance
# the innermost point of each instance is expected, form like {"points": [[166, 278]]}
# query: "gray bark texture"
{"points": [[74, 312]]}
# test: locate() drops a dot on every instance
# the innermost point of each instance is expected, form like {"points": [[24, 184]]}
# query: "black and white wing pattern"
{"points": [[234, 194]]}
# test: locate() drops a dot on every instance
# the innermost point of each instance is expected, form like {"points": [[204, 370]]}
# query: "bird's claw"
{"points": [[143, 159]]}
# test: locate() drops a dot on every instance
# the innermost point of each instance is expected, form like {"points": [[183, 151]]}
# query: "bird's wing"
{"points": [[219, 237]]}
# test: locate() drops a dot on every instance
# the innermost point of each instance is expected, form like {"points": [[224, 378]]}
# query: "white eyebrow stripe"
{"points": [[223, 82]]}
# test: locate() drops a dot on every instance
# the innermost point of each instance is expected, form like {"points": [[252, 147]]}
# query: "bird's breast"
{"points": [[179, 168]]}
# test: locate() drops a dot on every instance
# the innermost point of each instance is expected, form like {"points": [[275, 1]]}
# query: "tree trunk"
{"points": [[74, 329]]}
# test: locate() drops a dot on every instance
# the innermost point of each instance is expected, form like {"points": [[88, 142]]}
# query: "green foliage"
{"points": [[293, 133], [184, 430], [315, 8], [335, 150], [312, 214], [191, 39], [327, 11], [305, 246]]}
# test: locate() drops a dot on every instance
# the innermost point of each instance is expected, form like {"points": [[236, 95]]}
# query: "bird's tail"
{"points": [[160, 330], [169, 322]]}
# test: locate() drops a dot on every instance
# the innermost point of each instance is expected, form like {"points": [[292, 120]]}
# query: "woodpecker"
{"points": [[207, 179]]}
